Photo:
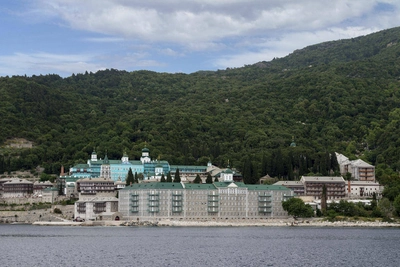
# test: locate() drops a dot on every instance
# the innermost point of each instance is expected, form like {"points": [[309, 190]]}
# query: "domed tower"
{"points": [[293, 144], [125, 158], [94, 155], [145, 158], [227, 175]]}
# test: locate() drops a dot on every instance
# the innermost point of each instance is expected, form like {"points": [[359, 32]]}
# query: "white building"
{"points": [[359, 169], [363, 189], [99, 207]]}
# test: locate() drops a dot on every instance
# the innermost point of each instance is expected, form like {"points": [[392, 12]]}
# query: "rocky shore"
{"points": [[278, 223], [227, 223]]}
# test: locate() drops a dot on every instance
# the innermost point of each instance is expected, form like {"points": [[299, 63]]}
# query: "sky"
{"points": [[174, 36]]}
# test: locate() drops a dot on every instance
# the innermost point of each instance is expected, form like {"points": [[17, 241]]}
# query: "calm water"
{"points": [[26, 245]]}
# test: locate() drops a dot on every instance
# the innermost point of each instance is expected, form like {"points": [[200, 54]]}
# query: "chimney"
{"points": [[62, 170]]}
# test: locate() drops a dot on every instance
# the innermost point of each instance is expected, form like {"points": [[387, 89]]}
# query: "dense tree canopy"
{"points": [[297, 208], [337, 96]]}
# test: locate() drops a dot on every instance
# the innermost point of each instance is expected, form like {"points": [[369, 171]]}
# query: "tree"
{"points": [[129, 179], [216, 179], [385, 206], [374, 201], [347, 176], [162, 180], [209, 178], [323, 199], [169, 178], [396, 205], [197, 180], [46, 177], [136, 179], [177, 178], [297, 208]]}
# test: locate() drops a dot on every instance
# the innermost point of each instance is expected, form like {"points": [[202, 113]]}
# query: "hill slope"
{"points": [[336, 96]]}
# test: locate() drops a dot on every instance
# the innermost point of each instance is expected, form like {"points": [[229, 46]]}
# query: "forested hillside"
{"points": [[337, 96]]}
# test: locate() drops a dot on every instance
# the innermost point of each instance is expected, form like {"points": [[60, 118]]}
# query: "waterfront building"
{"points": [[92, 186], [98, 207], [221, 200], [296, 186], [50, 194], [16, 188], [38, 187], [335, 186], [363, 189]]}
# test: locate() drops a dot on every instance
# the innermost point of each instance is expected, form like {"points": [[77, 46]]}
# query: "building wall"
{"points": [[97, 208], [120, 171], [364, 190], [333, 190], [221, 203]]}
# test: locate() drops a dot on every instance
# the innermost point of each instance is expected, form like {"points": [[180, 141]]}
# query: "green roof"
{"points": [[115, 161], [222, 184], [215, 185], [199, 186], [157, 185], [183, 167], [80, 166], [266, 187]]}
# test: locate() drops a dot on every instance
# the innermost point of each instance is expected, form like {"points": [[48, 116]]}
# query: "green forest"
{"points": [[340, 96]]}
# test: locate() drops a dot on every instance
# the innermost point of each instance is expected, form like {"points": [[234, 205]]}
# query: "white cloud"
{"points": [[170, 52], [236, 32], [104, 39], [188, 22]]}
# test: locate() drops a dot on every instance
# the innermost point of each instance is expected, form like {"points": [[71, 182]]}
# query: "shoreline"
{"points": [[232, 223]]}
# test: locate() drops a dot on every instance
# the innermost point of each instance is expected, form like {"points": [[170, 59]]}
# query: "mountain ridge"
{"points": [[336, 96]]}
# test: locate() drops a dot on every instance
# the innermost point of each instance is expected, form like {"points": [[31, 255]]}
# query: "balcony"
{"points": [[153, 210], [212, 210], [177, 209], [264, 210], [264, 199], [134, 210], [153, 204]]}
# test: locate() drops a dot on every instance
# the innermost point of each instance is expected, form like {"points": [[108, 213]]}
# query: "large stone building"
{"points": [[221, 200], [97, 207], [313, 185], [356, 189], [296, 186], [151, 170], [15, 188], [359, 169]]}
